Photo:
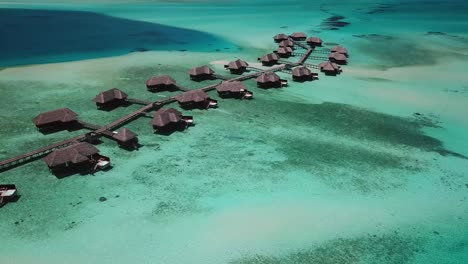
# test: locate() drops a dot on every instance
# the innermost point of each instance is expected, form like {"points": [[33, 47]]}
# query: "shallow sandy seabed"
{"points": [[338, 170]]}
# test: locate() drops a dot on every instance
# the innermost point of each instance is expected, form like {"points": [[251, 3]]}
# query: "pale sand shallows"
{"points": [[339, 160]]}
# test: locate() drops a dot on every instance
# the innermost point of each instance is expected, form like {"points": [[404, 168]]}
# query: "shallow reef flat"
{"points": [[369, 166]]}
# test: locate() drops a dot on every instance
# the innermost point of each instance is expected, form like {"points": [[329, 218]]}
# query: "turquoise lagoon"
{"points": [[367, 167]]}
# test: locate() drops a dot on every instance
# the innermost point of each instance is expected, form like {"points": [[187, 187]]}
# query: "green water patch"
{"points": [[346, 147], [346, 120], [385, 249]]}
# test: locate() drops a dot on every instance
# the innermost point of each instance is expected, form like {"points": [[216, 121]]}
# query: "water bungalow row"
{"points": [[80, 155]]}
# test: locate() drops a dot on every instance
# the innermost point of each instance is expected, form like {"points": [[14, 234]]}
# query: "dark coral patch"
{"points": [[384, 249], [334, 23]]}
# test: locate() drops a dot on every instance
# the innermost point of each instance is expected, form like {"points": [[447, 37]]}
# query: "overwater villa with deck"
{"points": [[330, 68], [298, 36], [284, 52], [339, 49], [78, 158], [338, 58], [161, 83], [169, 120], [270, 80], [314, 41], [110, 99], [76, 154], [237, 66], [286, 43], [56, 120], [233, 89], [269, 59], [302, 74], [201, 73], [126, 138], [195, 99], [280, 37]]}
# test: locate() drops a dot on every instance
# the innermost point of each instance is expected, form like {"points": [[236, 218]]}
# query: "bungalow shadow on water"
{"points": [[45, 36]]}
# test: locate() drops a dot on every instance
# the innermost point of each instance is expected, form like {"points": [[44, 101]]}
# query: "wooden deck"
{"points": [[305, 56]]}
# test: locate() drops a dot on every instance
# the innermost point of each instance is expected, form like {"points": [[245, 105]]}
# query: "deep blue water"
{"points": [[41, 36]]}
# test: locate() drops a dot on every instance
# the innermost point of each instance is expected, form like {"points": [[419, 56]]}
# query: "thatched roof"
{"points": [[160, 80], [284, 50], [301, 71], [286, 43], [298, 35], [338, 56], [268, 77], [163, 117], [237, 64], [329, 66], [270, 57], [59, 115], [73, 154], [234, 86], [314, 40], [109, 95], [339, 49], [124, 135], [196, 96], [280, 37], [201, 70]]}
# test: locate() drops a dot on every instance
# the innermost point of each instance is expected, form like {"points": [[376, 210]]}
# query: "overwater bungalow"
{"points": [[302, 73], [286, 43], [237, 66], [110, 98], [195, 99], [201, 73], [234, 89], [338, 58], [329, 68], [269, 59], [8, 193], [126, 138], [56, 120], [81, 157], [298, 36], [314, 41], [270, 80], [280, 37], [169, 120], [161, 83], [284, 52], [339, 49]]}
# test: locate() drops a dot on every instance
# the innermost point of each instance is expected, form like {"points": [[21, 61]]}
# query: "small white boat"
{"points": [[7, 193], [248, 95], [212, 103], [103, 164]]}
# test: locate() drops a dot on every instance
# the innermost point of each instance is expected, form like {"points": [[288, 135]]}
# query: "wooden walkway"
{"points": [[300, 44], [89, 126], [138, 101], [38, 153], [182, 88], [322, 51], [106, 130], [305, 56], [312, 66], [221, 77]]}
